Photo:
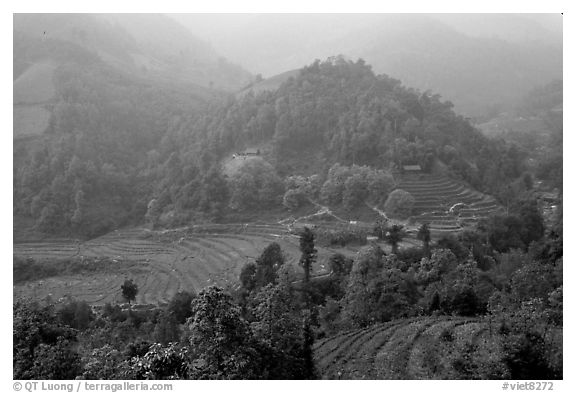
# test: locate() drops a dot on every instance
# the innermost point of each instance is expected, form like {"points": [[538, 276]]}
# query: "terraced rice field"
{"points": [[160, 263], [435, 195], [417, 348]]}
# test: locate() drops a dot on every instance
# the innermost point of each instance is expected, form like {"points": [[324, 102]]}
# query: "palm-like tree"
{"points": [[424, 235], [394, 236]]}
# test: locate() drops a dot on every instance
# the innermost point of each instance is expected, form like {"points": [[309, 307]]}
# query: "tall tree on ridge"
{"points": [[424, 236], [308, 253]]}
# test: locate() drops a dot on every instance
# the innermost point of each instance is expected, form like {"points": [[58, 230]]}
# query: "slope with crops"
{"points": [[446, 204], [160, 262], [416, 348]]}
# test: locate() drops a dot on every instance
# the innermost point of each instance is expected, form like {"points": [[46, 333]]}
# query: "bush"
{"points": [[341, 237], [399, 204], [294, 198]]}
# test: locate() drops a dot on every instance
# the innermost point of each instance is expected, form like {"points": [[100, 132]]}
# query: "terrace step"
{"points": [[434, 195]]}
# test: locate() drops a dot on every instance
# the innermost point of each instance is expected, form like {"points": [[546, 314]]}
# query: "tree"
{"points": [[264, 271], [380, 229], [278, 326], [161, 362], [166, 329], [248, 276], [42, 348], [424, 236], [58, 361], [268, 264], [355, 191], [181, 306], [308, 251], [380, 183], [76, 314], [221, 341], [394, 236], [129, 290], [255, 184], [79, 201], [308, 351], [377, 290], [399, 204], [340, 265], [294, 198], [153, 212], [532, 221], [103, 363]]}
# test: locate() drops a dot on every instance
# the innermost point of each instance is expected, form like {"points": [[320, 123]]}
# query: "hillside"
{"points": [[176, 219], [161, 262], [340, 112], [498, 57], [445, 204], [270, 84], [335, 112], [150, 46], [535, 125], [419, 348], [33, 91], [147, 48]]}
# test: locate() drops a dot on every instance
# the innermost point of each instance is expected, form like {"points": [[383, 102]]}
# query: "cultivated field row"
{"points": [[417, 348], [436, 195], [160, 266]]}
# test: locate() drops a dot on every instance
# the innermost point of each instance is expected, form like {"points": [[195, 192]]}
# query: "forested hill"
{"points": [[339, 111], [535, 126], [481, 62], [117, 155], [332, 112]]}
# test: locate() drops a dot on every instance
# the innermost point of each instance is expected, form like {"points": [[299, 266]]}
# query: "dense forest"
{"points": [[118, 151]]}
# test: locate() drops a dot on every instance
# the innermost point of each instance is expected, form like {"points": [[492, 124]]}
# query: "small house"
{"points": [[412, 168]]}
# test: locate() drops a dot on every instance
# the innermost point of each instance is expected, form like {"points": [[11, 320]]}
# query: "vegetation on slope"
{"points": [[118, 150], [456, 309]]}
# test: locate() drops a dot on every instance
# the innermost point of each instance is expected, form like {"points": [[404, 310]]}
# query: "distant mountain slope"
{"points": [[147, 45], [33, 90], [270, 84], [483, 63], [149, 48], [35, 85], [536, 126]]}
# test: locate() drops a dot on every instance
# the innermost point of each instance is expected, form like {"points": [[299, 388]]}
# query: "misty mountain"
{"points": [[477, 61], [145, 49], [149, 46]]}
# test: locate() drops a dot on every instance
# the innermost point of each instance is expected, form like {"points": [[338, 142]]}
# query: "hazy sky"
{"points": [[240, 37]]}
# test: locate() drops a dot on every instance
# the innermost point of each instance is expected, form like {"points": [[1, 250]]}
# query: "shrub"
{"points": [[399, 204]]}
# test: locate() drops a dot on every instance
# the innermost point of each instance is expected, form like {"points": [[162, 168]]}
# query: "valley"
{"points": [[164, 262], [176, 216]]}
